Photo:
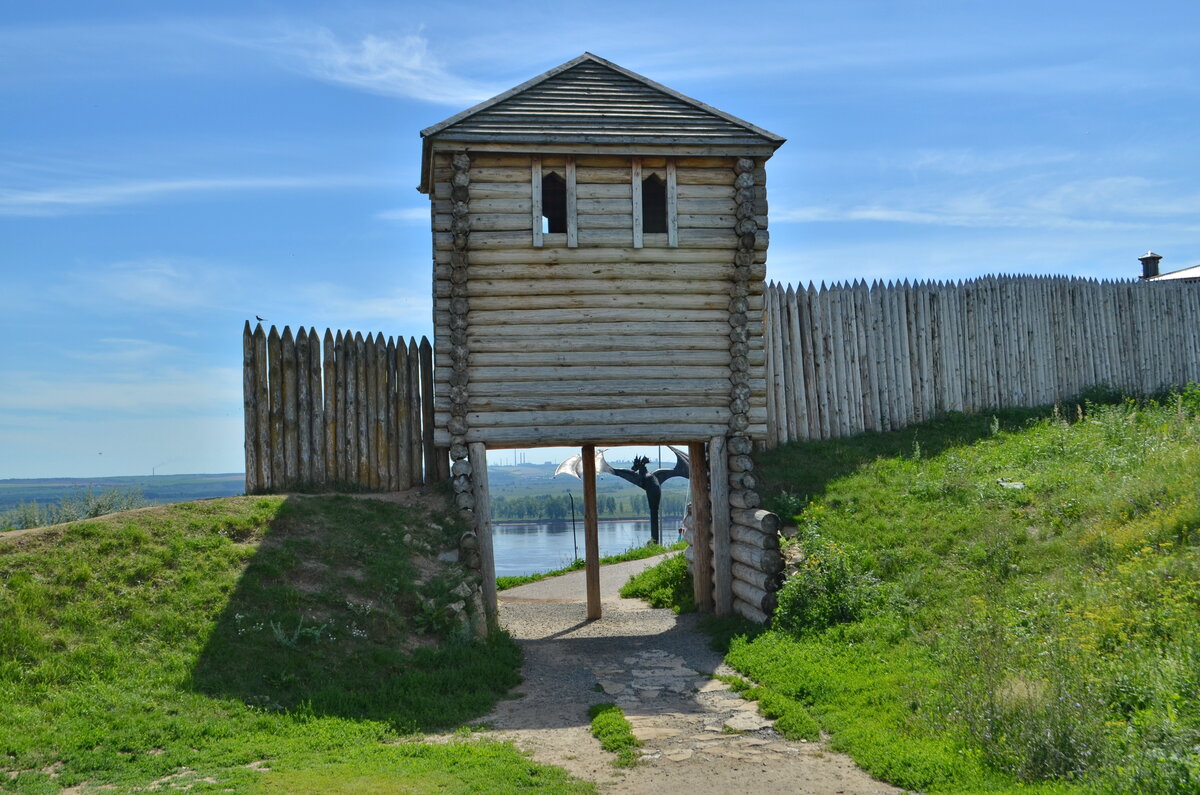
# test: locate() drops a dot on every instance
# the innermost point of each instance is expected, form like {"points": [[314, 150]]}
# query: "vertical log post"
{"points": [[719, 491], [591, 532], [250, 409], [263, 406], [430, 454], [477, 456], [702, 535], [275, 379]]}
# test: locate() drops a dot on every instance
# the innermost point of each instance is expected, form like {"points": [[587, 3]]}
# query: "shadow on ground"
{"points": [[328, 618]]}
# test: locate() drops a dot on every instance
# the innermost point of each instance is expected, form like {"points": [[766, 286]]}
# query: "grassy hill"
{"points": [[995, 603], [283, 644]]}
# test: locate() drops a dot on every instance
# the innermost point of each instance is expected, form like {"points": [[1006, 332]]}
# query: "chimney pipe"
{"points": [[1149, 262]]}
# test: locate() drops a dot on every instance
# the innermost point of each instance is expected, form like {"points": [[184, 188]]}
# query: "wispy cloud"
{"points": [[406, 215], [390, 65], [174, 392], [66, 199], [1040, 201], [162, 284]]}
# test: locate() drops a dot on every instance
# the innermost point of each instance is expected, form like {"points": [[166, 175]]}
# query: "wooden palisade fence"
{"points": [[347, 410], [850, 358]]}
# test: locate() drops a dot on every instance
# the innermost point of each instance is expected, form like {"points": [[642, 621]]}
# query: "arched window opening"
{"points": [[654, 204], [554, 203]]}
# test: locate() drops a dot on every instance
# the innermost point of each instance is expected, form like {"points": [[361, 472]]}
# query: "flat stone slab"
{"points": [[747, 722]]}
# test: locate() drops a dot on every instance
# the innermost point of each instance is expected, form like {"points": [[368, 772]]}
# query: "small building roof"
{"points": [[589, 100], [1184, 273]]}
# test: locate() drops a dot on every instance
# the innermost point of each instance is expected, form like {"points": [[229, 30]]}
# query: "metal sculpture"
{"points": [[638, 475]]}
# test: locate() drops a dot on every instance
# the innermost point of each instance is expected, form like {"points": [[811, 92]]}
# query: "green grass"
{"points": [[666, 584], [998, 603], [647, 550], [205, 640], [612, 729]]}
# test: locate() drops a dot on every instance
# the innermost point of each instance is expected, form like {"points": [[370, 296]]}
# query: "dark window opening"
{"points": [[654, 204], [554, 203]]}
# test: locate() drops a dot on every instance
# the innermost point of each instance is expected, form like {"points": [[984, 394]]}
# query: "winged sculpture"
{"points": [[638, 475]]}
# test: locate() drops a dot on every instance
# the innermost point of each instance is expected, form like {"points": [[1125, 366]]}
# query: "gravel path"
{"points": [[657, 667]]}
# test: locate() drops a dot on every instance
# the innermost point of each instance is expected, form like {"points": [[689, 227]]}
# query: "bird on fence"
{"points": [[260, 319]]}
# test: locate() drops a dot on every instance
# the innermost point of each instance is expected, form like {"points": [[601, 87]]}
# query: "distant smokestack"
{"points": [[1150, 262]]}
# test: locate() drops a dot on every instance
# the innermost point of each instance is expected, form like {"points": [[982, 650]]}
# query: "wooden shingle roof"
{"points": [[589, 100]]}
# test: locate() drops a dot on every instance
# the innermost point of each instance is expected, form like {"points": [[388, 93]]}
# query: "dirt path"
{"points": [[699, 737]]}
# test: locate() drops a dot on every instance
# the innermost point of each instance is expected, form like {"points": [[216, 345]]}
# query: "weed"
{"points": [[667, 584], [612, 729]]}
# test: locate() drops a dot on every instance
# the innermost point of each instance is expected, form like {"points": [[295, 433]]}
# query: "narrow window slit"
{"points": [[554, 203], [654, 204]]}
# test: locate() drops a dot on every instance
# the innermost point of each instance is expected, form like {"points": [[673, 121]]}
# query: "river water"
{"points": [[535, 547]]}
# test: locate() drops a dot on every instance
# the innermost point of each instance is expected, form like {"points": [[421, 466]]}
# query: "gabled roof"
{"points": [[589, 100]]}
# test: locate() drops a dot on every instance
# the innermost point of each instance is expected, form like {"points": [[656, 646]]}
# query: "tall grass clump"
{"points": [[1002, 601], [73, 507]]}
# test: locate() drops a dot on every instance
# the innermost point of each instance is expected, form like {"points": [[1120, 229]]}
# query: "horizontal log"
{"points": [[491, 222], [480, 286], [757, 597], [665, 274], [585, 190], [519, 305], [597, 373], [758, 517], [501, 317], [743, 480], [695, 238], [492, 190], [768, 561], [759, 579], [593, 175], [741, 463], [682, 328], [600, 343], [749, 611], [753, 536], [649, 386], [539, 401], [613, 221], [744, 499], [613, 357], [705, 176], [625, 416], [493, 160], [570, 436], [600, 255], [706, 192]]}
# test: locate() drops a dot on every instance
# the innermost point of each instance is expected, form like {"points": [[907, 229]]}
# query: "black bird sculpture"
{"points": [[638, 475]]}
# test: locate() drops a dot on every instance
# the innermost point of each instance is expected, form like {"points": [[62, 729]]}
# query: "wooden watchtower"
{"points": [[599, 254]]}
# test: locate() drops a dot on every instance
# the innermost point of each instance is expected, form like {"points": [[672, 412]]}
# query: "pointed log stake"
{"points": [[262, 393], [591, 532], [430, 454], [250, 409], [702, 511]]}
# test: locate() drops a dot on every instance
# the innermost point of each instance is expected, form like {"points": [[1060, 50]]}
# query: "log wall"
{"points": [[584, 337], [851, 358], [342, 410]]}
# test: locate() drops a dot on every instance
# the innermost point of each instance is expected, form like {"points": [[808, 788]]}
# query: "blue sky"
{"points": [[168, 170]]}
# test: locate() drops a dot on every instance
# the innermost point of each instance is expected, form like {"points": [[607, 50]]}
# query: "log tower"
{"points": [[600, 248]]}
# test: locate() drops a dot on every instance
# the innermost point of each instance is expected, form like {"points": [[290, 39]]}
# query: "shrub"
{"points": [[826, 589], [667, 584]]}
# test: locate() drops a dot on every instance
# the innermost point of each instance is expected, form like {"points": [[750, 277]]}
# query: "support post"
{"points": [[718, 463], [591, 532], [702, 515], [477, 455]]}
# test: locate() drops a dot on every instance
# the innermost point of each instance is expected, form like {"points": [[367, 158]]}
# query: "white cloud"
{"points": [[390, 65], [80, 198], [168, 284], [407, 215], [174, 392]]}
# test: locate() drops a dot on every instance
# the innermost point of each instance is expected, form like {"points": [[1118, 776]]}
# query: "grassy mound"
{"points": [[282, 643], [998, 602]]}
